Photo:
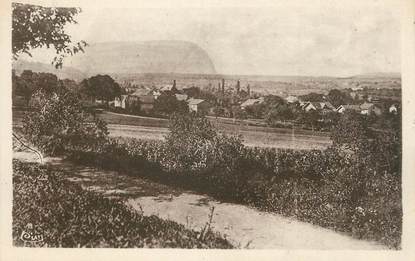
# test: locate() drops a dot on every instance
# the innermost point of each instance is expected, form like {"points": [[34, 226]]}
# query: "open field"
{"points": [[125, 119], [153, 128], [250, 138]]}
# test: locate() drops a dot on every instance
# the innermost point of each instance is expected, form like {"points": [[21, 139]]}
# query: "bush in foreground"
{"points": [[69, 216], [57, 123], [327, 188]]}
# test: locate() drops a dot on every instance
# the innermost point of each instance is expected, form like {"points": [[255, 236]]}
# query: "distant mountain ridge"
{"points": [[143, 57], [378, 75]]}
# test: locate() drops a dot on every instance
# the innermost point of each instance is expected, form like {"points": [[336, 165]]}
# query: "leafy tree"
{"points": [[256, 111], [312, 97], [193, 91], [278, 113], [243, 94], [310, 119], [167, 104], [57, 124], [19, 88], [273, 100], [102, 87], [29, 82], [36, 27], [238, 113], [337, 97], [70, 85]]}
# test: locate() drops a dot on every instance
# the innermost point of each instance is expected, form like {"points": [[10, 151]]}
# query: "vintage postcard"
{"points": [[152, 128]]}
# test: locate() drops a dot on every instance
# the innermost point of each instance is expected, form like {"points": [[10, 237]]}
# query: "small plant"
{"points": [[207, 228]]}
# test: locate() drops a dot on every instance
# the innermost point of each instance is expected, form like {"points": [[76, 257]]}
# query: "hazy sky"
{"points": [[297, 38]]}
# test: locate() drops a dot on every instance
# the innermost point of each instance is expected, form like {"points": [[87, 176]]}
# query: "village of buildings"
{"points": [[362, 100]]}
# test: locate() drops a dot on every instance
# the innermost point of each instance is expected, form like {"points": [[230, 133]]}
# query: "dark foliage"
{"points": [[36, 27], [312, 97], [167, 104], [101, 87], [69, 216], [30, 82], [337, 97], [337, 188], [57, 123]]}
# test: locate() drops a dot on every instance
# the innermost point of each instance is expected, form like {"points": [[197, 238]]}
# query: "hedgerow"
{"points": [[339, 188], [68, 216]]}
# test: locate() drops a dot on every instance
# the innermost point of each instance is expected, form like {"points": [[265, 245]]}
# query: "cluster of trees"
{"points": [[101, 87], [225, 102], [335, 97], [273, 110], [30, 82], [167, 104]]}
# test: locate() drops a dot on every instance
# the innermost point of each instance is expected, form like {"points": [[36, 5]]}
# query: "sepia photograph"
{"points": [[207, 126]]}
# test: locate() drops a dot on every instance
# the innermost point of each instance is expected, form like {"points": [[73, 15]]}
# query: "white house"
{"points": [[167, 87], [309, 106], [368, 108], [348, 107], [198, 105], [291, 99], [393, 109], [156, 93], [119, 102], [327, 106]]}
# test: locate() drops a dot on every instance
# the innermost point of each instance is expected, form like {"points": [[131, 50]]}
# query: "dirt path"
{"points": [[243, 226]]}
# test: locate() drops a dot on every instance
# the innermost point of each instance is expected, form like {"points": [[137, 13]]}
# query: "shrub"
{"points": [[193, 144], [69, 216], [331, 188], [344, 189], [57, 124]]}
